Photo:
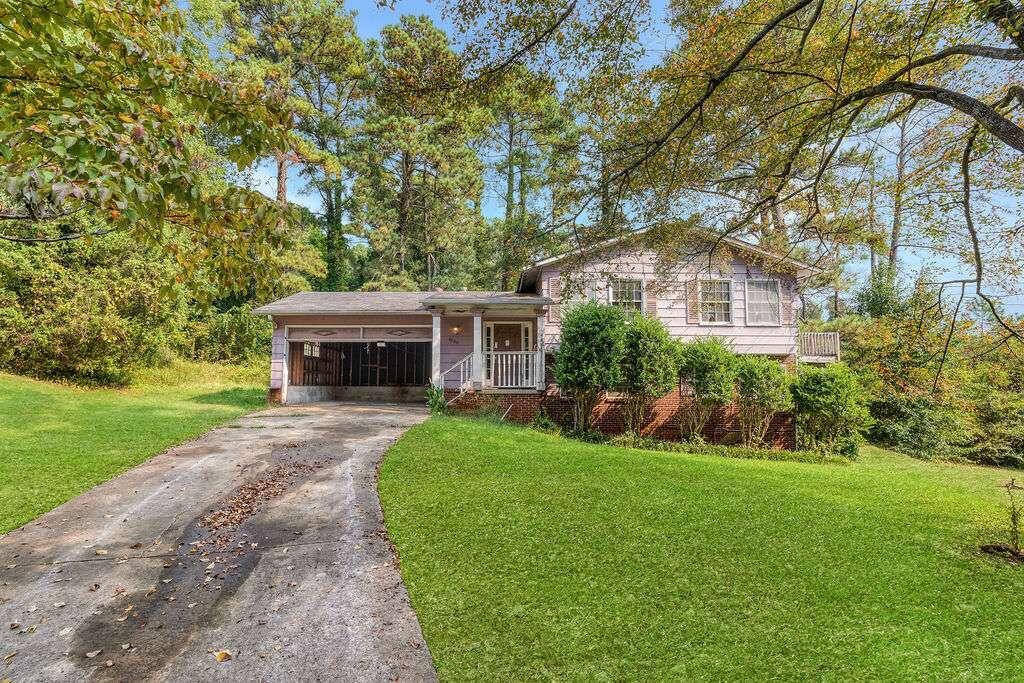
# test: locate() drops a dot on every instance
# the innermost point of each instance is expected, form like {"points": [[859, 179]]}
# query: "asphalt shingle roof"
{"points": [[316, 303]]}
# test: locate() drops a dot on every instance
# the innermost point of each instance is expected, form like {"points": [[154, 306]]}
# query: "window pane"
{"points": [[716, 301], [763, 302], [627, 294]]}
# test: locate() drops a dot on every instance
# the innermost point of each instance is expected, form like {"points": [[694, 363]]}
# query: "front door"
{"points": [[507, 337], [507, 366]]}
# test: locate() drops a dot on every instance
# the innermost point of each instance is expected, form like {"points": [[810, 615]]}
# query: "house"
{"points": [[390, 345]]}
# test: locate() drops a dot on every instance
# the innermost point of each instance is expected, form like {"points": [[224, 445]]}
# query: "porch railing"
{"points": [[818, 347], [511, 369], [463, 370]]}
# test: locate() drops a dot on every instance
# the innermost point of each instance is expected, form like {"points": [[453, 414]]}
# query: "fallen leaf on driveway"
{"points": [[101, 552], [94, 587], [222, 655], [92, 654], [33, 608], [14, 625], [8, 658], [59, 604], [110, 662], [135, 546]]}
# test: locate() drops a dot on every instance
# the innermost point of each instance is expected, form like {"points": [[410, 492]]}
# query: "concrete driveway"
{"points": [[262, 540]]}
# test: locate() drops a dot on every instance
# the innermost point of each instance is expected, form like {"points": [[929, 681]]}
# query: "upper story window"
{"points": [[716, 302], [763, 302], [627, 294]]}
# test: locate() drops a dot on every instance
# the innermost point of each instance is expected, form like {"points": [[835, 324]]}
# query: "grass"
{"points": [[529, 556], [58, 440]]}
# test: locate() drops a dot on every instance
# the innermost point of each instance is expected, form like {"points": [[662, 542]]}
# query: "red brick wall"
{"points": [[608, 418]]}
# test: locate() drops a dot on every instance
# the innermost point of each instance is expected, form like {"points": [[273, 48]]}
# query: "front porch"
{"points": [[488, 349]]}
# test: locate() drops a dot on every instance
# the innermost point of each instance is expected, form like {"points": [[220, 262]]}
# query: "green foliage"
{"points": [[880, 296], [542, 422], [762, 390], [436, 401], [999, 435], [91, 312], [745, 453], [649, 366], [831, 409], [418, 179], [589, 359], [233, 336], [917, 425], [708, 367], [102, 107]]}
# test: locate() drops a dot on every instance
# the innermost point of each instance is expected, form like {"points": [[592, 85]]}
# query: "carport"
{"points": [[374, 368]]}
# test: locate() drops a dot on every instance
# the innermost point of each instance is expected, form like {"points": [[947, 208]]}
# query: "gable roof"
{"points": [[326, 303], [527, 278]]}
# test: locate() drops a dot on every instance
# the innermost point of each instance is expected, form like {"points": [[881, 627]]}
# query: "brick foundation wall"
{"points": [[608, 417]]}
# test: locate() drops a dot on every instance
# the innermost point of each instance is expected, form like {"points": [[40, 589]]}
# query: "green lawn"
{"points": [[528, 556], [57, 440]]}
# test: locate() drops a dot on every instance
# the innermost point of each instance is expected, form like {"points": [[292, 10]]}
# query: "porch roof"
{"points": [[329, 303]]}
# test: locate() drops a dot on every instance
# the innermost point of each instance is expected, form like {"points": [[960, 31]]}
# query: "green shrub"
{"points": [[917, 426], [436, 401], [87, 311], [542, 422], [999, 435], [648, 444], [762, 386], [708, 366], [588, 361], [831, 409], [650, 367], [233, 336]]}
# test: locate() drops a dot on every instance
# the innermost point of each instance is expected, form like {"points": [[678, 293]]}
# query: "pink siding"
{"points": [[277, 357], [667, 283], [455, 345]]}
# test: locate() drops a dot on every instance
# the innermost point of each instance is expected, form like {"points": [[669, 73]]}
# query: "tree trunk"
{"points": [[282, 178], [404, 206], [897, 199]]}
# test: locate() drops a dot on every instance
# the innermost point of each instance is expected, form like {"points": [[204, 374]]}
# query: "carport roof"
{"points": [[321, 303]]}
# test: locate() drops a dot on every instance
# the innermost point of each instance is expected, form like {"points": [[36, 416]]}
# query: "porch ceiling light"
{"points": [[455, 329]]}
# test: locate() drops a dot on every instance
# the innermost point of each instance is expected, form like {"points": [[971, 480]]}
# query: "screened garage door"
{"points": [[359, 364]]}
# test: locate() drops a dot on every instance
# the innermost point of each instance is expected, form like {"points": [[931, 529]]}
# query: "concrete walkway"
{"points": [[262, 540]]}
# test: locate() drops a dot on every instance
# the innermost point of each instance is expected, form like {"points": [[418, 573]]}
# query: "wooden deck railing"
{"points": [[820, 347]]}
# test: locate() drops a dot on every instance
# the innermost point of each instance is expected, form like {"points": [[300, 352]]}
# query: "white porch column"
{"points": [[539, 334], [435, 349], [478, 349]]}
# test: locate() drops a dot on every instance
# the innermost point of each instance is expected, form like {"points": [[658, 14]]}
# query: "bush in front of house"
{"points": [[831, 409], [708, 366], [762, 392], [650, 367], [588, 361]]}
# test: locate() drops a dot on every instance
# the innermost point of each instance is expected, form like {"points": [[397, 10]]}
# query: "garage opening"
{"points": [[387, 370]]}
